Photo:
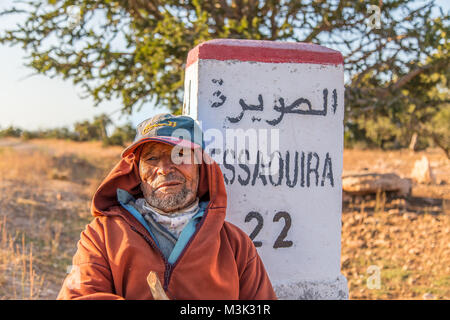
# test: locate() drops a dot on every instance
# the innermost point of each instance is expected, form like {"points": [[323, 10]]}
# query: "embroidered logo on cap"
{"points": [[150, 126]]}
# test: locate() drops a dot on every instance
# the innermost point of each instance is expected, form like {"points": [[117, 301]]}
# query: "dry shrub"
{"points": [[18, 277]]}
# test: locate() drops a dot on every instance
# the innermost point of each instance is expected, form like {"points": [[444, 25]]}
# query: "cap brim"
{"points": [[167, 140]]}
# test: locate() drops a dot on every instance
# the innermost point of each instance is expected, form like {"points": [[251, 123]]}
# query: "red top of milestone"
{"points": [[264, 51]]}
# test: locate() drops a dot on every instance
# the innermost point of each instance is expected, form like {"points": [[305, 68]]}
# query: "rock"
{"points": [[428, 296], [410, 216], [345, 262], [346, 197], [412, 281], [371, 183], [421, 173], [393, 211]]}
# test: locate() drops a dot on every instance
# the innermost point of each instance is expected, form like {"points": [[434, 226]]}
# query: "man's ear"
{"points": [[137, 154]]}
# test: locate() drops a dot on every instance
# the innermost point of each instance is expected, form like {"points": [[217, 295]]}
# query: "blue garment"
{"points": [[159, 234]]}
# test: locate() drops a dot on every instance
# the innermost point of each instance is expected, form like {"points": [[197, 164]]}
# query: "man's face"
{"points": [[166, 185]]}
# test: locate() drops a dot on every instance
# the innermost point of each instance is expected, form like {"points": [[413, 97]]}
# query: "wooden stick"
{"points": [[155, 287]]}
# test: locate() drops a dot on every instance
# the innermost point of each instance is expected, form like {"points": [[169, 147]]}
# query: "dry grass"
{"points": [[45, 194], [408, 240], [18, 278], [410, 248], [46, 189]]}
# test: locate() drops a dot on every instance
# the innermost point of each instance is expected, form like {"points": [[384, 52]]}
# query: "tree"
{"points": [[102, 121], [136, 49], [86, 131], [11, 132], [122, 135], [95, 130]]}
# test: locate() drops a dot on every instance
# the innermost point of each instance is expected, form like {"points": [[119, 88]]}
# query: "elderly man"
{"points": [[162, 209]]}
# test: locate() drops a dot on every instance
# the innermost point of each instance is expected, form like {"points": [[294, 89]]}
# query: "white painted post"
{"points": [[284, 190]]}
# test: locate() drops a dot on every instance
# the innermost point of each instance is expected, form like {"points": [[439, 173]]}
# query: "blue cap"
{"points": [[170, 129]]}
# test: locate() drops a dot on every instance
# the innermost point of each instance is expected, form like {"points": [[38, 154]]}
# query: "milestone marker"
{"points": [[272, 114]]}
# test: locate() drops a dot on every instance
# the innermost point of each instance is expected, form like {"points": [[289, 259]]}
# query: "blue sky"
{"points": [[41, 102]]}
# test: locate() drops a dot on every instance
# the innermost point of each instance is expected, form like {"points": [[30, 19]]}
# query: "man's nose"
{"points": [[165, 166]]}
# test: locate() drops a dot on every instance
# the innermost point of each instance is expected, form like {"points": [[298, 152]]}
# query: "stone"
{"points": [[428, 296], [421, 172], [323, 289], [273, 113], [372, 183]]}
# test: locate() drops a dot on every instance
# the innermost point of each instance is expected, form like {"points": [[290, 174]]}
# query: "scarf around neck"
{"points": [[175, 222]]}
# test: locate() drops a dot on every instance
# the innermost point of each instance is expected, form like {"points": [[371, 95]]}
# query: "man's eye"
{"points": [[152, 158]]}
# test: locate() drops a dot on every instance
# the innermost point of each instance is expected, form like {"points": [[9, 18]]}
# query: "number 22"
{"points": [[279, 242]]}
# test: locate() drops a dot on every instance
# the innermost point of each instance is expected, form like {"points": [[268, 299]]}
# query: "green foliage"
{"points": [[121, 136], [87, 131], [58, 133], [95, 130], [28, 135], [439, 129], [136, 50], [10, 132]]}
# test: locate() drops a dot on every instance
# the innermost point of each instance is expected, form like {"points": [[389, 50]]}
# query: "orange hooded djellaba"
{"points": [[116, 252]]}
